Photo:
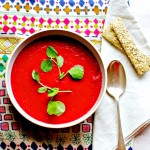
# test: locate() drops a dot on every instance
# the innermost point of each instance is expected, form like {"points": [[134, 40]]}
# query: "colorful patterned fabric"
{"points": [[7, 44], [21, 18], [26, 17]]}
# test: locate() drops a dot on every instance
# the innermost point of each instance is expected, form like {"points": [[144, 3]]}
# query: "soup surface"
{"points": [[84, 92]]}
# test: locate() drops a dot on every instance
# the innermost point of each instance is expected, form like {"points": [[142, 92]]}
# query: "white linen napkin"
{"points": [[135, 102]]}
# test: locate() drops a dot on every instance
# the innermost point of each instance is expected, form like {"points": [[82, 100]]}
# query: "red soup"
{"points": [[84, 92]]}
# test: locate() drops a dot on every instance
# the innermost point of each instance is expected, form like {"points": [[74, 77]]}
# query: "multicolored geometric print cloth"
{"points": [[21, 18], [25, 17]]}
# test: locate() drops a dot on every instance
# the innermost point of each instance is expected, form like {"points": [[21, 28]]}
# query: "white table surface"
{"points": [[141, 11]]}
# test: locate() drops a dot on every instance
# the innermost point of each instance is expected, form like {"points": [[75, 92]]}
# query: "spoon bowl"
{"points": [[116, 79], [115, 87]]}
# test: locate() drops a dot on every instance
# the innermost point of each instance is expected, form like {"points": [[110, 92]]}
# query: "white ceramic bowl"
{"points": [[56, 32]]}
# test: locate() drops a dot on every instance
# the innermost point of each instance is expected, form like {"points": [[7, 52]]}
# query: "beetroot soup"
{"points": [[84, 92]]}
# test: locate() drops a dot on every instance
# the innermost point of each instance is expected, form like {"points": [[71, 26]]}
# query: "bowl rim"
{"points": [[56, 32]]}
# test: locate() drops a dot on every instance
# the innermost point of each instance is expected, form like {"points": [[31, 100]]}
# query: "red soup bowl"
{"points": [[56, 78]]}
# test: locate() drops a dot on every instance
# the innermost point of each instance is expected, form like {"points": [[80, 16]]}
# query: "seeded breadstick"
{"points": [[140, 61], [109, 35], [148, 59]]}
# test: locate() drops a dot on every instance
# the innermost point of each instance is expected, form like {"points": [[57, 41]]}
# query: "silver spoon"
{"points": [[115, 87]]}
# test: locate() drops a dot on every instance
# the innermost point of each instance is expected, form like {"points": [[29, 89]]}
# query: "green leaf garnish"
{"points": [[52, 92], [42, 89], [35, 76], [61, 75], [76, 72], [51, 52], [60, 61], [46, 65], [55, 108]]}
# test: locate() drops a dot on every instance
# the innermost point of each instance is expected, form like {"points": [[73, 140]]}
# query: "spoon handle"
{"points": [[121, 144]]}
